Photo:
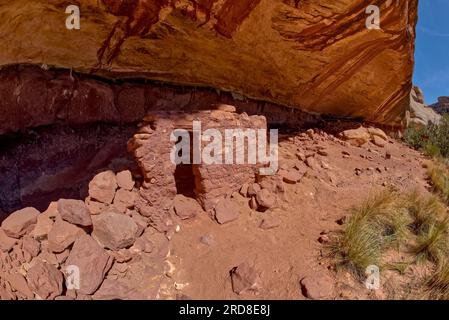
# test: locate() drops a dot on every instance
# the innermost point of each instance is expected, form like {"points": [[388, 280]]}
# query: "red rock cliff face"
{"points": [[314, 55]]}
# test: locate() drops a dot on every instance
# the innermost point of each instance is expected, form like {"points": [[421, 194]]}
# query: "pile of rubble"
{"points": [[79, 249], [115, 243]]}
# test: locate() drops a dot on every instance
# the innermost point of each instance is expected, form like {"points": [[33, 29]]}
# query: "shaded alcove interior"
{"points": [[49, 163]]}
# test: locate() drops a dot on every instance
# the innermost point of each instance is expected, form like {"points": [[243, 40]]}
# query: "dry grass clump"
{"points": [[411, 223], [432, 242], [438, 173], [436, 286], [377, 224], [430, 227]]}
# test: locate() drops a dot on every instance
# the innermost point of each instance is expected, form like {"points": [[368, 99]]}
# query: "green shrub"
{"points": [[432, 140], [415, 136]]}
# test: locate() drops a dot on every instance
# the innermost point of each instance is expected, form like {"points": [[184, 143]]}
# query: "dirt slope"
{"points": [[290, 252]]}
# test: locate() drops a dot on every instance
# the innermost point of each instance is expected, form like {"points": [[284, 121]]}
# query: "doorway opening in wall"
{"points": [[185, 180], [184, 176]]}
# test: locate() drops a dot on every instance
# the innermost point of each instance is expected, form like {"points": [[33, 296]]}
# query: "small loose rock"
{"points": [[244, 279]]}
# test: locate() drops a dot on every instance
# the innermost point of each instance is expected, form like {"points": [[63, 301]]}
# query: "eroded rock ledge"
{"points": [[31, 97], [58, 126]]}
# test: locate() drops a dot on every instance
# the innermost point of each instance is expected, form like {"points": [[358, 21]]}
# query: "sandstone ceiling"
{"points": [[315, 55]]}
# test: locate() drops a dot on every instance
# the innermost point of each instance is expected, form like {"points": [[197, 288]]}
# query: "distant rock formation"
{"points": [[442, 106], [419, 113]]}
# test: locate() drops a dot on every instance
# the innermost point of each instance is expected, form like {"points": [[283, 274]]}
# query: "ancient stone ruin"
{"points": [[209, 184], [118, 220]]}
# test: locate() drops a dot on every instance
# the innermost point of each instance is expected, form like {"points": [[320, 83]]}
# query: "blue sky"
{"points": [[432, 49]]}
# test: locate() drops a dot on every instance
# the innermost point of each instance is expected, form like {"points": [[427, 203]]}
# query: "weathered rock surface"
{"points": [[266, 199], [356, 137], [93, 263], [103, 102], [270, 221], [75, 212], [419, 113], [144, 244], [360, 136], [442, 106], [317, 287], [19, 283], [6, 243], [253, 189], [45, 280], [290, 176], [31, 246], [115, 231], [45, 222], [226, 211], [62, 235], [186, 208], [103, 186], [125, 180], [244, 279], [266, 49], [96, 207], [20, 222], [117, 290], [124, 200]]}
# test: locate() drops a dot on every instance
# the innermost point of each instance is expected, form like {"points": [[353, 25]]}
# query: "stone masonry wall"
{"points": [[151, 147]]}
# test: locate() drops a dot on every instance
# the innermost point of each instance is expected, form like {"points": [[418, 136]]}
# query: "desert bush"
{"points": [[416, 136], [432, 140], [438, 173]]}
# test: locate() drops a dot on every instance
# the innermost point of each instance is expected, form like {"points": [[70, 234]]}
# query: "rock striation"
{"points": [[314, 56]]}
